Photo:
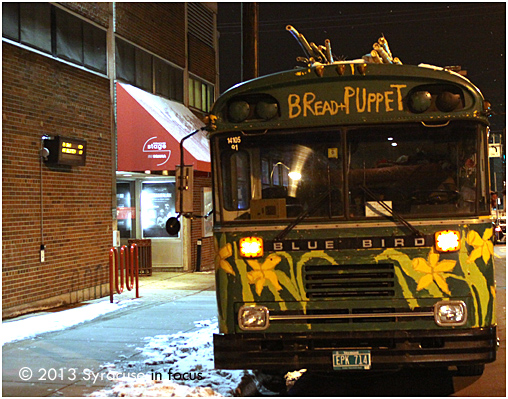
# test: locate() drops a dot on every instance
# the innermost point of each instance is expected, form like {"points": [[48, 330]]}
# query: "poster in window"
{"points": [[125, 210], [157, 206], [207, 208]]}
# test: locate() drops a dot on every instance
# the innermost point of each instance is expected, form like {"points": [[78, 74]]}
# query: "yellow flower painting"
{"points": [[224, 253], [483, 246], [433, 271], [263, 272]]}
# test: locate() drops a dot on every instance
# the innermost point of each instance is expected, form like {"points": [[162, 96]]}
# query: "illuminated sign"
{"points": [[66, 151]]}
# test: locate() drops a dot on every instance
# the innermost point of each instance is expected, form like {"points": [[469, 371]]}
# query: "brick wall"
{"points": [[166, 21], [201, 180], [201, 59], [96, 12], [44, 96]]}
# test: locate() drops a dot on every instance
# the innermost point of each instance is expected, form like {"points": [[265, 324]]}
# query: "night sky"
{"points": [[472, 35]]}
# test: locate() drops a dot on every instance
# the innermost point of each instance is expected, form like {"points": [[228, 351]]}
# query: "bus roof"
{"points": [[348, 93]]}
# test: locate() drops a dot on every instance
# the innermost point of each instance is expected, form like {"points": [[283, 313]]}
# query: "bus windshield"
{"points": [[344, 173]]}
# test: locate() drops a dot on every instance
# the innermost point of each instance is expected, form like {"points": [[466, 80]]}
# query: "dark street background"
{"points": [[472, 35]]}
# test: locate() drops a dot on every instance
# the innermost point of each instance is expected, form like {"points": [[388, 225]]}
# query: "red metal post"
{"points": [[135, 249], [129, 269], [119, 272], [112, 253]]}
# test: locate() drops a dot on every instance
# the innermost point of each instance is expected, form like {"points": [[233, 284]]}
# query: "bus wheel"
{"points": [[471, 370], [274, 382]]}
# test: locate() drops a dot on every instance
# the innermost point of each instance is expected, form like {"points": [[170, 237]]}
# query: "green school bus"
{"points": [[352, 220]]}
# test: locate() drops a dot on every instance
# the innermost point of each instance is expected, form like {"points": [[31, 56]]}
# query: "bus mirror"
{"points": [[173, 226]]}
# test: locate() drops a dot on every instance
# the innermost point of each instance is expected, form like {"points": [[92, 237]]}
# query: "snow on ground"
{"points": [[182, 365], [19, 329]]}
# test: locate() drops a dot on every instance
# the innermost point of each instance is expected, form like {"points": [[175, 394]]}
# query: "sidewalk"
{"points": [[65, 362]]}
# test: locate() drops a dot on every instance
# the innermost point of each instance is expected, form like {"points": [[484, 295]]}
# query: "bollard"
{"points": [[198, 255]]}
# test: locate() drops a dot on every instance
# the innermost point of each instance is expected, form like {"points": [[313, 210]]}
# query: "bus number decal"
{"points": [[234, 141], [355, 100]]}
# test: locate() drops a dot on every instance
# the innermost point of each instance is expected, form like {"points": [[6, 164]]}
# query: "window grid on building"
{"points": [[201, 94], [148, 72], [60, 34]]}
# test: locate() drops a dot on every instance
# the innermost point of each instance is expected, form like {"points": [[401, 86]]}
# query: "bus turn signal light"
{"points": [[251, 247], [447, 241]]}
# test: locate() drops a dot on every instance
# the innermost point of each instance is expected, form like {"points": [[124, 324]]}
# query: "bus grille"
{"points": [[335, 281]]}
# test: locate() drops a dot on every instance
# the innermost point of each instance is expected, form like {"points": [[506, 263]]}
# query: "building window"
{"points": [[52, 30], [126, 209], [35, 25], [201, 94], [168, 80], [148, 72]]}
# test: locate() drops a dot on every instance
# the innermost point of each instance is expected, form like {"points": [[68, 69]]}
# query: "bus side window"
{"points": [[236, 180]]}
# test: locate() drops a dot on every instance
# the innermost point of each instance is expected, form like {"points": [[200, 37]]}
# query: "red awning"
{"points": [[149, 131]]}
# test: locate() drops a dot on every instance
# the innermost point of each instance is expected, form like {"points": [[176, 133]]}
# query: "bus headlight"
{"points": [[251, 247], [447, 101], [450, 313], [239, 111], [447, 241], [419, 102], [267, 110], [253, 317]]}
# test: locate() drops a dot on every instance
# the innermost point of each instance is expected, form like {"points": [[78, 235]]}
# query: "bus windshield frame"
{"points": [[343, 173]]}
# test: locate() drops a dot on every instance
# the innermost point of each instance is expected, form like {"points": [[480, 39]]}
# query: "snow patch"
{"points": [[180, 365], [17, 330]]}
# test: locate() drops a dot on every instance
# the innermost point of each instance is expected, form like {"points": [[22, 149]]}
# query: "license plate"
{"points": [[351, 359]]}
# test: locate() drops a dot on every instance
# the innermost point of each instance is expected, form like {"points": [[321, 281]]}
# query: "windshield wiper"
{"points": [[310, 210], [391, 211]]}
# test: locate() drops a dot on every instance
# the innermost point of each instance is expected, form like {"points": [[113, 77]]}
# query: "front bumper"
{"points": [[389, 349]]}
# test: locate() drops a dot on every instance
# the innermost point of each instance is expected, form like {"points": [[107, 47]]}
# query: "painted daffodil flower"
{"points": [[261, 273], [483, 246], [433, 271], [224, 253]]}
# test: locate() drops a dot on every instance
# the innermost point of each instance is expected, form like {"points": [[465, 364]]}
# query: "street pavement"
{"points": [[57, 363]]}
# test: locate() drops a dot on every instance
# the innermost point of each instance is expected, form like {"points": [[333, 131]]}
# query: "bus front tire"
{"points": [[471, 370], [274, 382]]}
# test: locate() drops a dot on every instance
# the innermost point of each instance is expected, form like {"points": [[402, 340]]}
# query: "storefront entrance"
{"points": [[144, 204]]}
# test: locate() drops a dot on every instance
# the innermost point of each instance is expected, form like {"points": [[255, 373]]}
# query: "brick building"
{"points": [[67, 67]]}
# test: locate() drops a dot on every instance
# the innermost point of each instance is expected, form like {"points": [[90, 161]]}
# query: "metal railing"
{"points": [[124, 262]]}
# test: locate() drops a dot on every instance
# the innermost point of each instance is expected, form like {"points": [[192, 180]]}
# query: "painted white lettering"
{"points": [[294, 247], [367, 243], [277, 246], [329, 245], [419, 242], [313, 246], [399, 242]]}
